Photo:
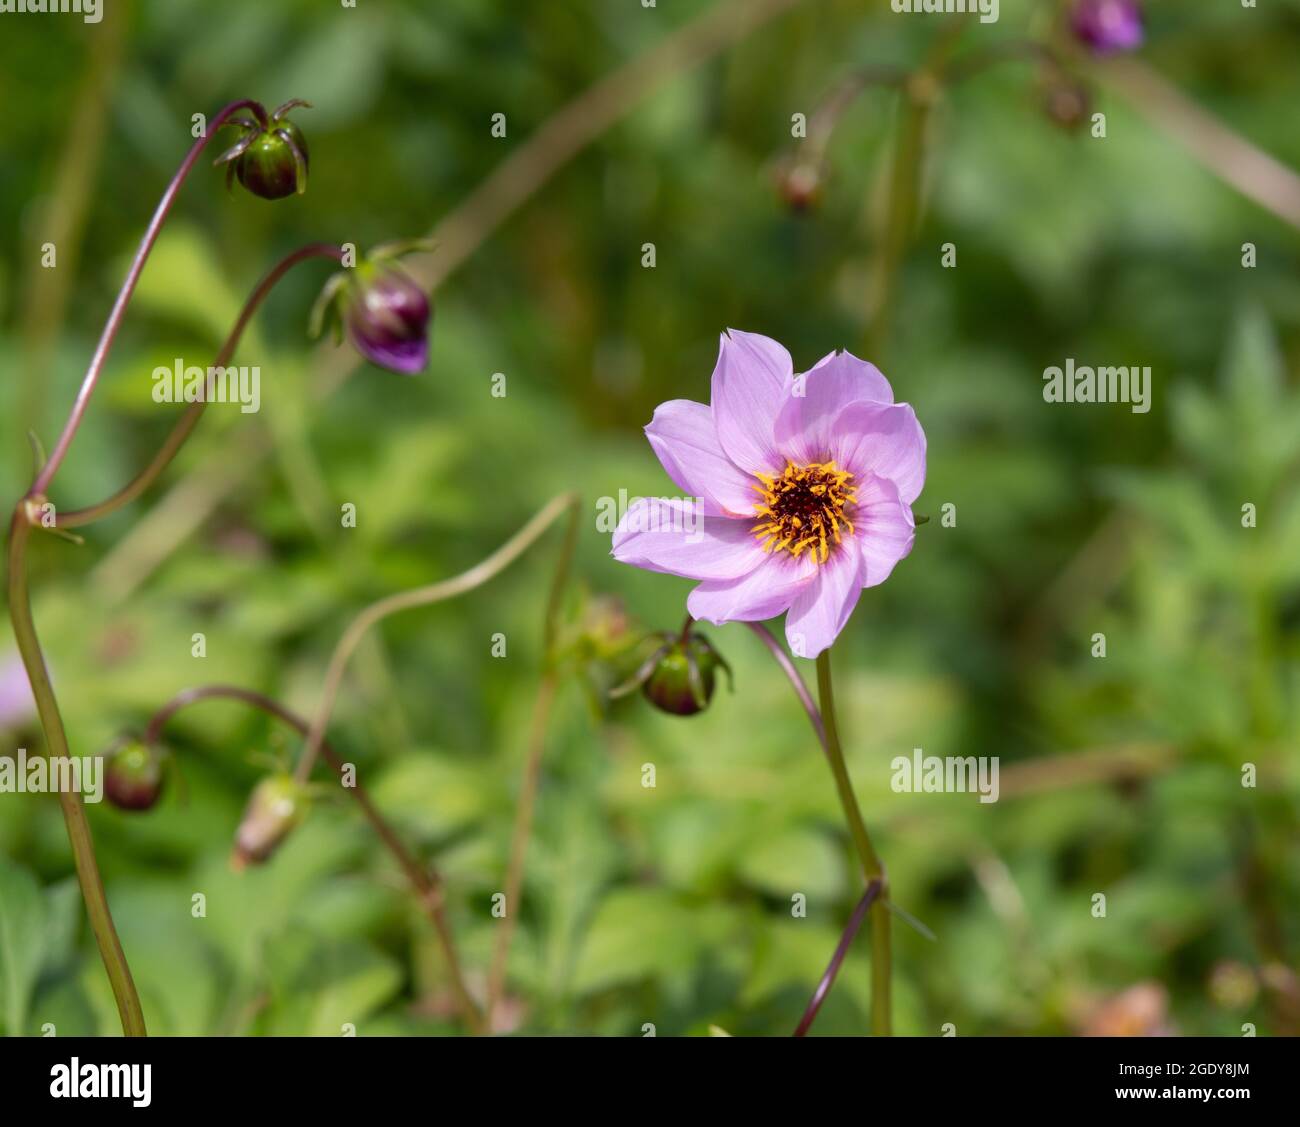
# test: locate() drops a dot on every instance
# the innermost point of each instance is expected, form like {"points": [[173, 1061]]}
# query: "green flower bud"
{"points": [[674, 687], [133, 775], [271, 159], [680, 676], [277, 805]]}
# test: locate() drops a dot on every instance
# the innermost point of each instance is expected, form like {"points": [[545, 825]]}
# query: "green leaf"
{"points": [[22, 933]]}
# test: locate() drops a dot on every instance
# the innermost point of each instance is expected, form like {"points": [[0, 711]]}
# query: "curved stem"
{"points": [[189, 420], [476, 576], [519, 841], [532, 771], [426, 882], [833, 967], [74, 813], [118, 311], [871, 865], [800, 689]]}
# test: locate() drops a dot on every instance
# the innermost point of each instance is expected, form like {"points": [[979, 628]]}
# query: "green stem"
{"points": [[901, 212], [476, 576], [74, 813], [523, 826], [427, 883], [189, 420], [872, 868]]}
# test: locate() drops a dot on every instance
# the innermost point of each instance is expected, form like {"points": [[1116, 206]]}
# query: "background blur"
{"points": [[1120, 775]]}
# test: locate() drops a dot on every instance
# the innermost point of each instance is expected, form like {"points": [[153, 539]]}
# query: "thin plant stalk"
{"points": [[873, 870], [424, 880], [833, 967], [189, 420], [118, 312], [438, 592], [532, 775], [827, 732], [74, 811], [27, 513]]}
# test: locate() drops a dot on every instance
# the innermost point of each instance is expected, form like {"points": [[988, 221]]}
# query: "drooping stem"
{"points": [[792, 674], [476, 576], [189, 420], [833, 967], [881, 1008], [424, 880], [532, 775], [74, 813], [56, 739], [114, 322]]}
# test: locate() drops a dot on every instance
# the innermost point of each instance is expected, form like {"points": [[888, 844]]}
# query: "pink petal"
{"points": [[821, 610], [686, 441], [675, 536], [750, 384], [804, 428], [764, 593], [884, 440], [883, 528]]}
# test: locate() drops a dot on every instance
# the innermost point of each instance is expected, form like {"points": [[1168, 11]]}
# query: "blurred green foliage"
{"points": [[669, 905]]}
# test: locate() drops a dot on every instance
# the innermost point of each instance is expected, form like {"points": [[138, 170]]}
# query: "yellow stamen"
{"points": [[804, 508]]}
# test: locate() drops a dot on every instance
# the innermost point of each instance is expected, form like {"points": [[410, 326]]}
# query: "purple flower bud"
{"points": [[387, 315], [1108, 26], [274, 809], [133, 775]]}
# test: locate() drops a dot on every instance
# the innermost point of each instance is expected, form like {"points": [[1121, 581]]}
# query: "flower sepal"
{"points": [[679, 677], [271, 158]]}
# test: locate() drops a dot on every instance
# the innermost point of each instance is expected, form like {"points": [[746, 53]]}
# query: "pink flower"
{"points": [[801, 490]]}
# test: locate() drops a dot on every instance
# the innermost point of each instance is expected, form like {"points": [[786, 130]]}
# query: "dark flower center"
{"points": [[803, 509]]}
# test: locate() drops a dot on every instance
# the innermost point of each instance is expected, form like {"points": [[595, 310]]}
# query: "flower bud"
{"points": [[684, 678], [1066, 101], [800, 185], [276, 806], [133, 775], [384, 309], [388, 319], [1107, 27], [271, 159]]}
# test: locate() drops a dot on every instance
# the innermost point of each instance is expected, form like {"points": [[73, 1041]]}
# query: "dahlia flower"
{"points": [[799, 488]]}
